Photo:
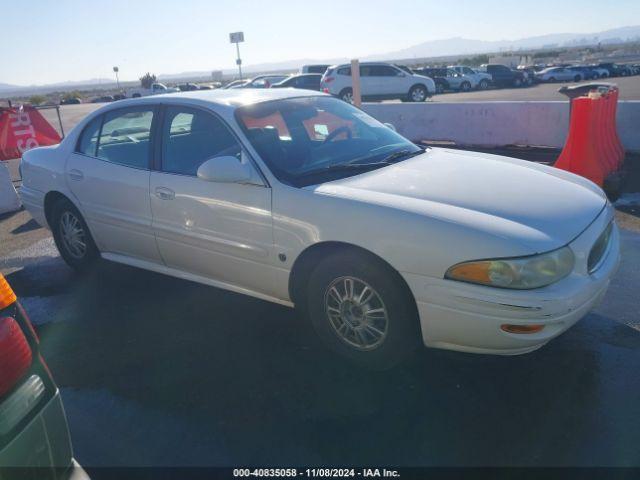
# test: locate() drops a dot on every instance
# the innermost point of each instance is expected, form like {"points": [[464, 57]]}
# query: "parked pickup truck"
{"points": [[481, 80], [156, 88], [504, 76]]}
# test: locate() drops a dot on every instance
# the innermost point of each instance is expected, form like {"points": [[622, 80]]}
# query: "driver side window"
{"points": [[191, 137]]}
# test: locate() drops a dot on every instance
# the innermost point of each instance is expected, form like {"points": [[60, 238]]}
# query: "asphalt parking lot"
{"points": [[629, 90], [159, 371]]}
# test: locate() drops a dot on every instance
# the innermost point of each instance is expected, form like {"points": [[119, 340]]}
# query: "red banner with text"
{"points": [[22, 129]]}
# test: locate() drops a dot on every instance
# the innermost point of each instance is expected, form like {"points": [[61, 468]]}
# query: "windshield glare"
{"points": [[298, 137]]}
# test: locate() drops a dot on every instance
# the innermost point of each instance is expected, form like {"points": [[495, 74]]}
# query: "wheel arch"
{"points": [[420, 84], [50, 199], [309, 258]]}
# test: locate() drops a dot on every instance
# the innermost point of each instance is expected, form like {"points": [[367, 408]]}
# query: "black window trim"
{"points": [[148, 106], [157, 159]]}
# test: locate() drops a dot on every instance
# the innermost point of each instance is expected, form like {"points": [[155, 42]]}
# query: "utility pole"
{"points": [[237, 38], [116, 70]]}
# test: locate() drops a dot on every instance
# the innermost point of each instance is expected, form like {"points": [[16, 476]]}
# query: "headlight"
{"points": [[520, 273]]}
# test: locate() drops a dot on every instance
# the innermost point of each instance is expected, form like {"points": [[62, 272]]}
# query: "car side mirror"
{"points": [[226, 169]]}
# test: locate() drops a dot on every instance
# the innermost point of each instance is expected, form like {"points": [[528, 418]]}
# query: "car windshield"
{"points": [[310, 140]]}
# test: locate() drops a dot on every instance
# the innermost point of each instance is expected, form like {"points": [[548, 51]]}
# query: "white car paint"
{"points": [[155, 89], [396, 85], [474, 76], [421, 216]]}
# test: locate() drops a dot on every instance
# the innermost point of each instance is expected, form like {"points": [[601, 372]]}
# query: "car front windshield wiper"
{"points": [[402, 155], [352, 166], [344, 167]]}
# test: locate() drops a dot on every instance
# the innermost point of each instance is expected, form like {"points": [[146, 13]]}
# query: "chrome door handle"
{"points": [[76, 175], [165, 193]]}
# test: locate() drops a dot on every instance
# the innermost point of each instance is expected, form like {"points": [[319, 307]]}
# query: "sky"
{"points": [[61, 40]]}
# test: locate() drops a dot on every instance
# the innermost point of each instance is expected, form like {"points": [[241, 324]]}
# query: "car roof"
{"points": [[365, 64], [232, 98]]}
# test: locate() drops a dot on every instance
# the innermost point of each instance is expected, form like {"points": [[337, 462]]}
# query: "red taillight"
{"points": [[325, 90], [328, 79], [15, 354]]}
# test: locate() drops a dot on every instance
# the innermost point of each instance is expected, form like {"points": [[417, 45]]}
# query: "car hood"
{"points": [[542, 208]]}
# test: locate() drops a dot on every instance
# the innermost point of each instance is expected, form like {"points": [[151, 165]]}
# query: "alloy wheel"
{"points": [[356, 313], [73, 235]]}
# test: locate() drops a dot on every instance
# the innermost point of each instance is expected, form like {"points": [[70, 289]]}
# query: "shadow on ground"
{"points": [[160, 371]]}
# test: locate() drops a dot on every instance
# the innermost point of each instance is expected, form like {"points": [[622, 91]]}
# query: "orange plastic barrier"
{"points": [[593, 148]]}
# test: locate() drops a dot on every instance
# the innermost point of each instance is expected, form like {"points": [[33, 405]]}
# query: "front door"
{"points": [[221, 231]]}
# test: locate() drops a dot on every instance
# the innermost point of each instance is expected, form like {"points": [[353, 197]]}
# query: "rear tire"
{"points": [[577, 78], [484, 84], [517, 82], [346, 95], [374, 323], [72, 237]]}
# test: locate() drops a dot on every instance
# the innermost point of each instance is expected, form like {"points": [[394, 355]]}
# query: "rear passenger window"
{"points": [[89, 139], [125, 137], [191, 137]]}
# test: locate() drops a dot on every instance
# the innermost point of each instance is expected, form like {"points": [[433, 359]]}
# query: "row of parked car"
{"points": [[381, 81], [578, 73]]}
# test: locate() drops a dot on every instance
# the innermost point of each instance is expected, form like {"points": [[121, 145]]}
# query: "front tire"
{"points": [[362, 310], [517, 82], [72, 237], [465, 86], [418, 93]]}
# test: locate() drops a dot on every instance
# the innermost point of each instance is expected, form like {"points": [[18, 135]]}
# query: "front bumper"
{"points": [[466, 317]]}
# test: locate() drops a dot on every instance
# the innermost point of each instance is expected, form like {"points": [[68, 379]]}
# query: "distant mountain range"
{"points": [[465, 46], [433, 48]]}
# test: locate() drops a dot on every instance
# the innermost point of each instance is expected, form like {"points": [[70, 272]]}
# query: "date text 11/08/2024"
{"points": [[316, 472]]}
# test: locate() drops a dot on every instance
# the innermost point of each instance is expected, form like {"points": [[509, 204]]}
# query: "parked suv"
{"points": [[33, 427], [378, 81], [314, 69], [481, 80], [504, 76]]}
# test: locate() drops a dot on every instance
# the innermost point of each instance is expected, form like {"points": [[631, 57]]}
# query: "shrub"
{"points": [[37, 99], [147, 80]]}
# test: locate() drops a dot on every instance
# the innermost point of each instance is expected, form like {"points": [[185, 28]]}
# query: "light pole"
{"points": [[237, 38], [116, 70]]}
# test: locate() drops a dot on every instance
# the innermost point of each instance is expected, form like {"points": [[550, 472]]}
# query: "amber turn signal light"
{"points": [[522, 329], [7, 297]]}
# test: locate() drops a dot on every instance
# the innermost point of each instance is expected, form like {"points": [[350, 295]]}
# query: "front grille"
{"points": [[599, 249]]}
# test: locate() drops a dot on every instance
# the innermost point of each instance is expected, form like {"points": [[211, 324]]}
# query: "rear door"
{"points": [[222, 231], [370, 86], [109, 175]]}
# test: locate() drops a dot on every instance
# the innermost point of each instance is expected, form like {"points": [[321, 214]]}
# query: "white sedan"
{"points": [[302, 199]]}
